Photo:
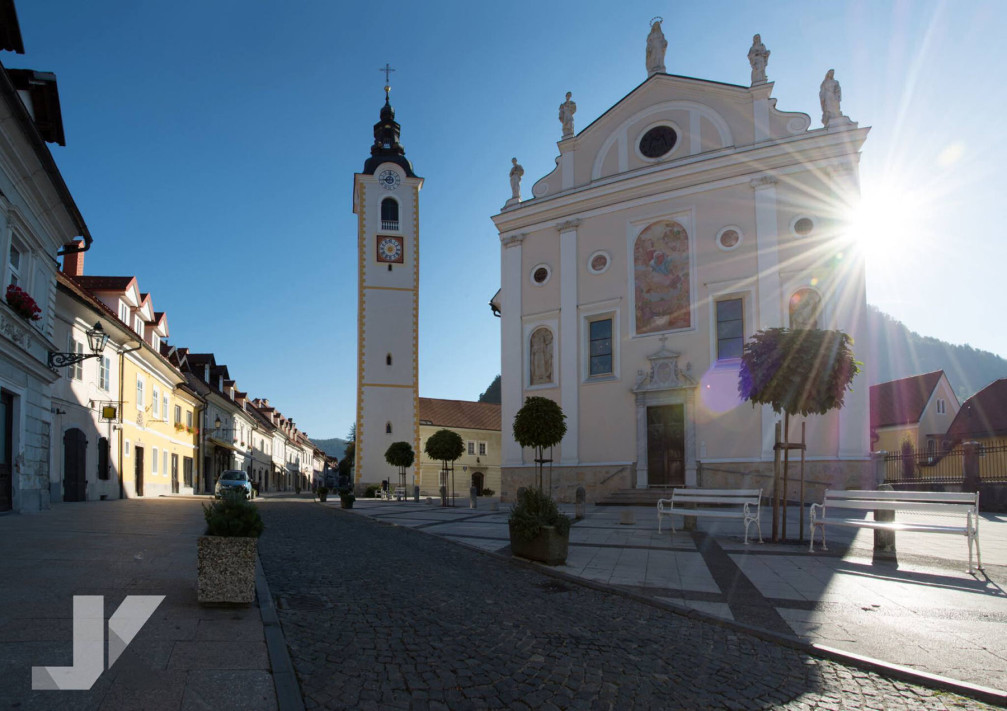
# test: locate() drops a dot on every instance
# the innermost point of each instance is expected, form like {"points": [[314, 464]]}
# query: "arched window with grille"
{"points": [[388, 428], [389, 214]]}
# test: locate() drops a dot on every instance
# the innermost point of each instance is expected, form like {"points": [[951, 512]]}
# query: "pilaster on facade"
{"points": [[511, 343], [569, 370]]}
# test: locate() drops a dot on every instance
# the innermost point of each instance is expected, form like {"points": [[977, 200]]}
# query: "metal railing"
{"points": [[911, 466], [390, 224]]}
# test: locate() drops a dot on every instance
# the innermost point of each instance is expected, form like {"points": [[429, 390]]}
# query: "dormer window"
{"points": [[138, 325], [123, 312], [389, 214]]}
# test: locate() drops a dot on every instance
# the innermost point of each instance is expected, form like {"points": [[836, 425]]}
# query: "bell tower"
{"points": [[386, 203]]}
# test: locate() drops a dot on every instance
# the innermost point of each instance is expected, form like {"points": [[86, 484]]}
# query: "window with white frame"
{"points": [[164, 406], [153, 461], [600, 347], [155, 402], [164, 462], [14, 263], [941, 406], [730, 328], [471, 447], [125, 448], [76, 371], [138, 325], [104, 368], [123, 312], [178, 414], [139, 392], [188, 418], [482, 449]]}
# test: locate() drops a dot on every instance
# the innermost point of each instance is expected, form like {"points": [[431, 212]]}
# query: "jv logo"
{"points": [[89, 640]]}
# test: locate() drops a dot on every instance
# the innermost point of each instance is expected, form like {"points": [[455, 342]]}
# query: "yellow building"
{"points": [[918, 409], [158, 414], [478, 424]]}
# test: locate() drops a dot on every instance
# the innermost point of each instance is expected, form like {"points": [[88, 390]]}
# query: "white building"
{"points": [[679, 222], [38, 221]]}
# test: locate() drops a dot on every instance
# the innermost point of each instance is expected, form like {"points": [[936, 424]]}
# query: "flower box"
{"points": [[549, 546], [22, 304]]}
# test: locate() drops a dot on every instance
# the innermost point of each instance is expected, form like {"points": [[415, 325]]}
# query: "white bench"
{"points": [[715, 503], [959, 511]]}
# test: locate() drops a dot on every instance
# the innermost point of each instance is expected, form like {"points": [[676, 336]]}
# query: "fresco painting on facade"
{"points": [[661, 278]]}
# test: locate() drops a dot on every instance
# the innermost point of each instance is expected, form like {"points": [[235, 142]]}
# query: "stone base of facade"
{"points": [[602, 480], [564, 481]]}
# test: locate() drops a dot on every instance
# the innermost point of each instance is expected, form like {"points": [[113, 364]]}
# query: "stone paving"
{"points": [[381, 617], [184, 657], [922, 611]]}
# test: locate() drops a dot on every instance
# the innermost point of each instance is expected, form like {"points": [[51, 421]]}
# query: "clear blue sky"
{"points": [[211, 147]]}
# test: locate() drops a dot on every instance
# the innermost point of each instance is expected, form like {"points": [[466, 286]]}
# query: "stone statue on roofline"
{"points": [[758, 57], [656, 47], [516, 172], [566, 111], [829, 95]]}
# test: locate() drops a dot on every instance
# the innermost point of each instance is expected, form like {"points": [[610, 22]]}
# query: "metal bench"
{"points": [[715, 503], [960, 512]]}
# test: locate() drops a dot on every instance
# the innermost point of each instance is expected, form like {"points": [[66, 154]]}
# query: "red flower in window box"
{"points": [[22, 304]]}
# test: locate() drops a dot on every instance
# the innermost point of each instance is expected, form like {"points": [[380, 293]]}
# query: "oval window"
{"points": [[658, 141]]}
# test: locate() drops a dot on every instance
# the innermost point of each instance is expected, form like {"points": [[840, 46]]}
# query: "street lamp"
{"points": [[96, 339]]}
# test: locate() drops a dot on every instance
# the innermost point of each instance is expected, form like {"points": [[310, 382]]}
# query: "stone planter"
{"points": [[323, 496], [226, 570], [346, 503], [547, 547]]}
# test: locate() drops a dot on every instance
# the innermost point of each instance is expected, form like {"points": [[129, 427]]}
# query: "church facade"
{"points": [[688, 216]]}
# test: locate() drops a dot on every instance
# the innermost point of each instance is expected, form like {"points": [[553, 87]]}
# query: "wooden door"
{"points": [[6, 451], [666, 445], [138, 470], [74, 465], [174, 473]]}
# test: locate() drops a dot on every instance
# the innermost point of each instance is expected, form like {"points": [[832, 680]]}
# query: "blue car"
{"points": [[233, 480]]}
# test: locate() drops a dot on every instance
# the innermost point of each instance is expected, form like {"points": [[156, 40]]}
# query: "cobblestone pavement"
{"points": [[382, 617]]}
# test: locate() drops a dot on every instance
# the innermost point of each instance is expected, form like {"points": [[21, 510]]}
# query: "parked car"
{"points": [[233, 480]]}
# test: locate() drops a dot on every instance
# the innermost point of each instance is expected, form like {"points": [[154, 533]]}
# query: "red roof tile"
{"points": [[105, 283], [901, 402], [982, 415], [459, 413]]}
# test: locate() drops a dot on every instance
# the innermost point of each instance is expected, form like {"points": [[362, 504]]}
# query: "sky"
{"points": [[211, 147]]}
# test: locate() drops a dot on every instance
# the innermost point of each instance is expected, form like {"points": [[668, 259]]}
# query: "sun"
{"points": [[887, 223]]}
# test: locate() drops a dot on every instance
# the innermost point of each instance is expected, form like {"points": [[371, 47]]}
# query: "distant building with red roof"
{"points": [[918, 409]]}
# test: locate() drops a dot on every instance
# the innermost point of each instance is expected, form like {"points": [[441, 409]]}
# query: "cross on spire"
{"points": [[387, 69]]}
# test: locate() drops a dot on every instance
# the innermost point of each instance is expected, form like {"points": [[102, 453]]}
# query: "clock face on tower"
{"points": [[389, 249], [389, 179]]}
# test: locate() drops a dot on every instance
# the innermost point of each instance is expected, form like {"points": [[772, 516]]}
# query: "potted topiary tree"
{"points": [[226, 554], [401, 455], [323, 493], [446, 446], [537, 529]]}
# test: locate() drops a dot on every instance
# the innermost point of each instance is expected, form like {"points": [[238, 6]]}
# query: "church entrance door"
{"points": [[666, 445]]}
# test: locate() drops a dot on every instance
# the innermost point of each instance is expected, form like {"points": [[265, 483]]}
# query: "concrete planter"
{"points": [[547, 547], [323, 496], [346, 503], [226, 570]]}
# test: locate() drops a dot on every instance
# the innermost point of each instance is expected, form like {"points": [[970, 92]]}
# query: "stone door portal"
{"points": [[74, 465], [666, 445], [6, 451], [138, 470]]}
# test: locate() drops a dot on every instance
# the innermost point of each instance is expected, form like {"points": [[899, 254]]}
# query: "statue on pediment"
{"points": [[566, 111], [515, 178], [656, 47], [829, 95], [758, 57]]}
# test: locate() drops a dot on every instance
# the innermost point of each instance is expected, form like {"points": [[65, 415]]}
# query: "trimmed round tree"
{"points": [[446, 446], [401, 455], [797, 372], [540, 424]]}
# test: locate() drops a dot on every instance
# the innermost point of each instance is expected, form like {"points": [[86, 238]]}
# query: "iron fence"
{"points": [[911, 466]]}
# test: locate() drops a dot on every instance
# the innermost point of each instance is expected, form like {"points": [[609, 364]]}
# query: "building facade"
{"points": [[478, 424], [679, 222]]}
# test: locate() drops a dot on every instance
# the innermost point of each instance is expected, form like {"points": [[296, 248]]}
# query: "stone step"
{"points": [[635, 497]]}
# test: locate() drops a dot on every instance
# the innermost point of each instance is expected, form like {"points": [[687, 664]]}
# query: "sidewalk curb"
{"points": [[985, 694], [288, 691]]}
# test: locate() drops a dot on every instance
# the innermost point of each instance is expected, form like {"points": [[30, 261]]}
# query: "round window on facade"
{"points": [[658, 141], [802, 226], [540, 274], [729, 238], [598, 262]]}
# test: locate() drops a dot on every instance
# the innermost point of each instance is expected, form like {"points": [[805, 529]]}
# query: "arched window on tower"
{"points": [[389, 214], [388, 428], [388, 359]]}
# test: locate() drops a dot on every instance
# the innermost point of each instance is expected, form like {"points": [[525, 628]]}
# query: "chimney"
{"points": [[73, 262]]}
